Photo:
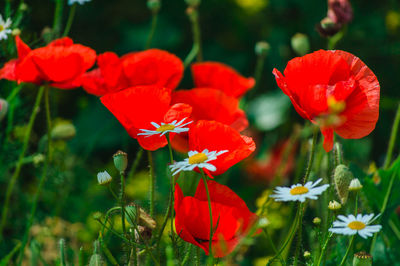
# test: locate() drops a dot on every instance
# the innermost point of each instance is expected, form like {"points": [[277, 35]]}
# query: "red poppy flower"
{"points": [[153, 67], [335, 90], [221, 77], [231, 218], [215, 148], [209, 104], [108, 77], [146, 114], [61, 63]]}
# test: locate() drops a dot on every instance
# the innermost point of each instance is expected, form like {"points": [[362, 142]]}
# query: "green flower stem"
{"points": [[152, 182], [321, 256], [71, 16], [312, 152], [384, 205], [108, 253], [288, 238], [81, 260], [62, 252], [152, 30], [188, 252], [196, 48], [146, 245], [17, 171], [347, 251], [265, 230], [299, 234], [203, 176], [198, 262], [42, 178], [112, 191], [14, 93], [392, 139], [122, 201], [58, 15]]}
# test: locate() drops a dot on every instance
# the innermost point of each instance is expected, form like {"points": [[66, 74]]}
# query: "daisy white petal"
{"points": [[352, 225], [299, 192]]}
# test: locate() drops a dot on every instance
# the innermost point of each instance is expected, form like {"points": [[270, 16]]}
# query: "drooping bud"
{"points": [[362, 259], [327, 27], [334, 205], [120, 161], [154, 5], [300, 44], [355, 185], [104, 178], [3, 108], [340, 11], [316, 221], [63, 131], [342, 178], [262, 48]]}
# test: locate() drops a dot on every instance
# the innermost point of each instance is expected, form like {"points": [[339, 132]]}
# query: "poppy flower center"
{"points": [[335, 106], [198, 158], [165, 128], [299, 190], [356, 225]]}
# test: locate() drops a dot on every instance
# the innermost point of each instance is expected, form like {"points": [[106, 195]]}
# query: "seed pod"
{"points": [[342, 178], [362, 259], [120, 161], [262, 48], [300, 44]]}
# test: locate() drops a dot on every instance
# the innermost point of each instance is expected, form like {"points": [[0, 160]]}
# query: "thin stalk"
{"points": [[172, 196], [187, 255], [146, 246], [62, 252], [392, 139], [347, 251], [14, 93], [135, 163], [108, 253], [288, 238], [152, 182], [312, 152], [265, 230], [194, 19], [152, 30], [17, 171], [58, 14], [190, 57], [122, 201], [81, 260], [71, 16], [299, 235], [321, 256], [42, 179], [203, 176]]}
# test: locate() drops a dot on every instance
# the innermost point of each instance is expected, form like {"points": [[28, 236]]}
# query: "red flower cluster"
{"points": [[231, 218], [61, 64], [335, 90]]}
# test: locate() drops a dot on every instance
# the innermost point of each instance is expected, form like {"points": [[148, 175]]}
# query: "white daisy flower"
{"points": [[197, 159], [352, 225], [104, 178], [4, 28], [81, 2], [163, 128], [299, 192]]}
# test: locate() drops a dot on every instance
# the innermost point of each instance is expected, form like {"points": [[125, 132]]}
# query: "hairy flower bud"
{"points": [[334, 205], [342, 178], [307, 254], [3, 108], [316, 221], [63, 131], [362, 259], [262, 48], [104, 178], [120, 161], [355, 185], [300, 44]]}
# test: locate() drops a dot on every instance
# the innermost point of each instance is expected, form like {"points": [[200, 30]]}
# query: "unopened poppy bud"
{"points": [[262, 48], [342, 178], [3, 108], [104, 178], [120, 161], [63, 131], [300, 44], [307, 254], [154, 5], [334, 205], [316, 220], [327, 27], [355, 185], [16, 32], [362, 259], [193, 3]]}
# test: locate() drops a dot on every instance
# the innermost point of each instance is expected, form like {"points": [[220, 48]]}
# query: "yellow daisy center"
{"points": [[299, 190], [165, 128], [198, 158], [1, 27], [356, 225]]}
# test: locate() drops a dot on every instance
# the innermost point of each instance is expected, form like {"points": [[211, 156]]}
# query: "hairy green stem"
{"points": [[122, 201], [392, 139], [321, 256], [194, 19], [71, 16], [17, 171], [152, 182], [152, 30], [299, 234], [312, 152], [62, 252], [135, 163], [58, 15]]}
